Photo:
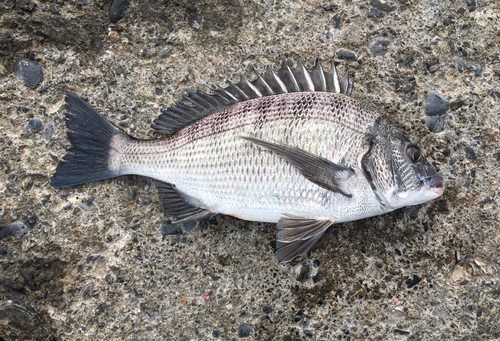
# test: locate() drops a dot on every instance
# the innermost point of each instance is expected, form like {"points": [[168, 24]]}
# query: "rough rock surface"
{"points": [[97, 266]]}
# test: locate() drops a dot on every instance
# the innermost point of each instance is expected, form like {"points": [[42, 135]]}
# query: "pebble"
{"points": [[116, 10], [412, 280], [17, 229], [470, 153], [195, 19], [33, 124], [48, 131], [53, 9], [28, 72], [301, 272], [3, 251], [244, 330], [347, 54], [435, 104], [145, 200], [167, 228], [466, 65], [374, 12], [166, 51], [379, 47], [384, 6]]}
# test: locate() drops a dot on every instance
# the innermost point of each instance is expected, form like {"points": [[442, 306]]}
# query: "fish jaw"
{"points": [[410, 198]]}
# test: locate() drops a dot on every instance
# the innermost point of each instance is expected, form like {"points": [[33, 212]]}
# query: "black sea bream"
{"points": [[291, 148]]}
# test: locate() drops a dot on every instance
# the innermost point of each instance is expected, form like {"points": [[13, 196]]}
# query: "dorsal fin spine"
{"points": [[285, 80]]}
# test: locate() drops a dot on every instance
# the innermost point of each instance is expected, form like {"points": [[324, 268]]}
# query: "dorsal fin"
{"points": [[200, 104]]}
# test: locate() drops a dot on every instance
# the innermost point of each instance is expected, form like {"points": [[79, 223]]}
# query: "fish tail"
{"points": [[92, 136]]}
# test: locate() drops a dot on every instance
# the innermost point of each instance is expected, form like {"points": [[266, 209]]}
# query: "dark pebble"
{"points": [[301, 272], [408, 87], [5, 266], [346, 54], [158, 91], [435, 104], [158, 6], [28, 72], [33, 124], [188, 226], [379, 47], [374, 13], [13, 336], [17, 229], [308, 333], [52, 156], [166, 51], [460, 157], [467, 65], [267, 309], [48, 131], [3, 251], [384, 6], [53, 9], [244, 330], [412, 280], [81, 3], [167, 228], [337, 18], [435, 124], [195, 18], [287, 337], [116, 10], [401, 332], [109, 279], [215, 333], [101, 325], [470, 153], [331, 7]]}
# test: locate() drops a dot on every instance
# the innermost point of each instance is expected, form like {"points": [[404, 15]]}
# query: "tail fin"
{"points": [[91, 137]]}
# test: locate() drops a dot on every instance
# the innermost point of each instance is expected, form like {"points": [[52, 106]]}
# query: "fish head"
{"points": [[399, 172]]}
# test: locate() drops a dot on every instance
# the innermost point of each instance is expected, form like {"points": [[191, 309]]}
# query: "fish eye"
{"points": [[414, 153]]}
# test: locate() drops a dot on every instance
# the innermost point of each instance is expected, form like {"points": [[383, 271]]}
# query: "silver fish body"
{"points": [[302, 159]]}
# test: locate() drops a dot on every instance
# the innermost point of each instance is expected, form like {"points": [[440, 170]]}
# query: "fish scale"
{"points": [[290, 148]]}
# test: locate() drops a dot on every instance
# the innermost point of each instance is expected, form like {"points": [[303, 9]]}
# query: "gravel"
{"points": [[28, 72]]}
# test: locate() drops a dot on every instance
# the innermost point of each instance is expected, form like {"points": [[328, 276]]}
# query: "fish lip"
{"points": [[431, 182]]}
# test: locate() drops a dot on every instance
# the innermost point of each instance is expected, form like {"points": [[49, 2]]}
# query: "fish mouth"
{"points": [[432, 182]]}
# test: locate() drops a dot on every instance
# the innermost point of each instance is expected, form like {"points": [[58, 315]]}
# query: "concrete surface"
{"points": [[91, 263]]}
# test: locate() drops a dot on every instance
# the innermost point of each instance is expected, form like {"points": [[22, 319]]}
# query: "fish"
{"points": [[291, 147]]}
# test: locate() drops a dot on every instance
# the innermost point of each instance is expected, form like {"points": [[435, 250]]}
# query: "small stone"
{"points": [[412, 280], [3, 251], [470, 153], [267, 309], [215, 333], [379, 47], [435, 124], [435, 104], [435, 41], [466, 65], [244, 330], [301, 272], [28, 72], [188, 226], [158, 6], [81, 3], [116, 10], [145, 200], [17, 229], [53, 9], [33, 124], [374, 12], [166, 51], [384, 6], [48, 131], [195, 20], [346, 54], [167, 228], [408, 87]]}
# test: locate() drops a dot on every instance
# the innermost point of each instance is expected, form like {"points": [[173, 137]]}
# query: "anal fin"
{"points": [[298, 235], [179, 204]]}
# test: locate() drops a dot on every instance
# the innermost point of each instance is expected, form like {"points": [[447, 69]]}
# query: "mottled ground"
{"points": [[94, 262]]}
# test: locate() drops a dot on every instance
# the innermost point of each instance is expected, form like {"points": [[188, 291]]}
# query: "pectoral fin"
{"points": [[316, 169], [297, 235]]}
